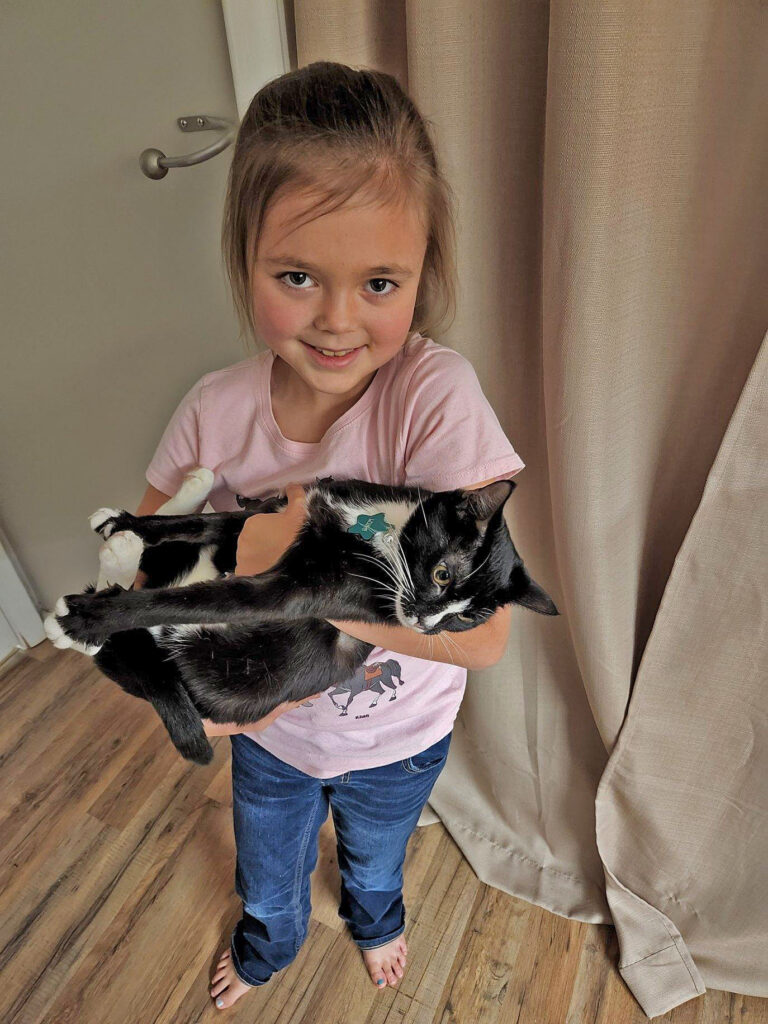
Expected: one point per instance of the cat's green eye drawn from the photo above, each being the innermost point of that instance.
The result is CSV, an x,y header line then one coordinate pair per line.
x,y
464,618
441,575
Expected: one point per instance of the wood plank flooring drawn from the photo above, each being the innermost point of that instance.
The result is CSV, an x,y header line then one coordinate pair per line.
x,y
117,883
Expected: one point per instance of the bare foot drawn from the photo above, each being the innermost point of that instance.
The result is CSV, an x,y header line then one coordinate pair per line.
x,y
386,964
226,987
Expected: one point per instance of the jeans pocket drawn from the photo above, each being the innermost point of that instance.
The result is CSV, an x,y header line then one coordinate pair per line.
x,y
429,758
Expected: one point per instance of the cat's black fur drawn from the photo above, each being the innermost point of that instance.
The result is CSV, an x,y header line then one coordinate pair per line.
x,y
277,645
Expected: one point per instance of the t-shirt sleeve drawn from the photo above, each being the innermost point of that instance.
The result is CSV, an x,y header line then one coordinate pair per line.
x,y
179,447
453,437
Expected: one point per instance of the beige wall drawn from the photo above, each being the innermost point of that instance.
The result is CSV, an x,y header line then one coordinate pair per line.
x,y
113,294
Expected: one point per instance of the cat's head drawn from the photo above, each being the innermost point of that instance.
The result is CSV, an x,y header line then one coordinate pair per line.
x,y
461,564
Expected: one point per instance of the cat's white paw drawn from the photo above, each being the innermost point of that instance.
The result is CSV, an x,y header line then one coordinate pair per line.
x,y
195,488
119,559
58,637
101,516
200,478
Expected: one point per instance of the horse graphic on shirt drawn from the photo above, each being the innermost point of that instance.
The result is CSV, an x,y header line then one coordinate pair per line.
x,y
369,679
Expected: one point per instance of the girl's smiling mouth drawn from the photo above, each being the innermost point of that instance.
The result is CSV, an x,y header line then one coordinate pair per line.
x,y
339,358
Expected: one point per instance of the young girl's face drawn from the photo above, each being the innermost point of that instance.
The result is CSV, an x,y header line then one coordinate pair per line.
x,y
344,282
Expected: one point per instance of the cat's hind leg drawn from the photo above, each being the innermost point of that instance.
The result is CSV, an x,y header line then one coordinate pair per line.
x,y
192,494
119,558
133,660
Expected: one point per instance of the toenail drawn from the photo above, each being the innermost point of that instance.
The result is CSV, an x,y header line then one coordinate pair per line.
x,y
219,1003
380,981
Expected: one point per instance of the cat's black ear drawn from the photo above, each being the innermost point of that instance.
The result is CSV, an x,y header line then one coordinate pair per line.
x,y
485,501
527,592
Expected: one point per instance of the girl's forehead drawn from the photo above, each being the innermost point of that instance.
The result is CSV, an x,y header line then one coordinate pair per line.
x,y
294,219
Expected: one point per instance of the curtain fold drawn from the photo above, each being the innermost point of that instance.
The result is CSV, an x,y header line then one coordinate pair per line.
x,y
609,160
682,809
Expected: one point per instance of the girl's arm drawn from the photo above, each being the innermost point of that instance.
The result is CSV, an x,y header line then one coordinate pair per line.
x,y
231,728
151,501
474,648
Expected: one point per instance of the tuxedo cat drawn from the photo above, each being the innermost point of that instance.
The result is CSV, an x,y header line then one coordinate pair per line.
x,y
199,642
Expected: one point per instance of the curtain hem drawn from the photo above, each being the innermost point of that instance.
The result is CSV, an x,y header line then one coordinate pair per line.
x,y
654,962
519,875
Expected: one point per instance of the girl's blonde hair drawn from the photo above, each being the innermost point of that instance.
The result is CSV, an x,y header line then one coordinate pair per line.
x,y
334,130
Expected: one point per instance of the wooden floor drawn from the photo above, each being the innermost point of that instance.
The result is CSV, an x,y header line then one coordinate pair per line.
x,y
117,882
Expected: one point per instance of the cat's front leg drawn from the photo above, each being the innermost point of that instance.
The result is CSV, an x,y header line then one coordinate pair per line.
x,y
84,621
212,528
241,600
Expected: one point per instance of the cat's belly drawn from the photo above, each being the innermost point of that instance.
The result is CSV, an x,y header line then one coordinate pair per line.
x,y
172,635
204,570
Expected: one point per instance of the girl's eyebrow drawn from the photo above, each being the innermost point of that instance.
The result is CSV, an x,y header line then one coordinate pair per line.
x,y
293,261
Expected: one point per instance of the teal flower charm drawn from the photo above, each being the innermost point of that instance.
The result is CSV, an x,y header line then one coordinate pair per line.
x,y
367,526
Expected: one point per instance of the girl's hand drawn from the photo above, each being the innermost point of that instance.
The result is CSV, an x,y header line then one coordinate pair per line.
x,y
265,538
231,728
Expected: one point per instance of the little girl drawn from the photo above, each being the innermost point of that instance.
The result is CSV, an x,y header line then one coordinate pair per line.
x,y
338,239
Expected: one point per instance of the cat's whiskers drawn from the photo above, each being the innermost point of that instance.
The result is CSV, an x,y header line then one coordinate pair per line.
x,y
383,565
479,566
406,567
445,645
397,577
380,585
397,565
421,506
456,646
388,592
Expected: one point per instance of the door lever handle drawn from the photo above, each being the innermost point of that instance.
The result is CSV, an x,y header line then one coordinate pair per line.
x,y
155,164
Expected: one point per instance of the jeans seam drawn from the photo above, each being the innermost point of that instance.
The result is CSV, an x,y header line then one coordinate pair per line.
x,y
298,877
413,770
237,968
381,943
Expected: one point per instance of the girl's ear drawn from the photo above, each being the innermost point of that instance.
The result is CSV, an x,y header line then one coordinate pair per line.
x,y
524,591
483,503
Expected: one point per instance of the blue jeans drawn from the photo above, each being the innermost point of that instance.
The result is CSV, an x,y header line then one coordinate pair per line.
x,y
278,811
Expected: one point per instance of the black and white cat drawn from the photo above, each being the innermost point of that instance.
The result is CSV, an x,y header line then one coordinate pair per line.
x,y
199,642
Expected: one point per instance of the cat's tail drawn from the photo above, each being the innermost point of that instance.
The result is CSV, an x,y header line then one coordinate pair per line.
x,y
132,659
183,722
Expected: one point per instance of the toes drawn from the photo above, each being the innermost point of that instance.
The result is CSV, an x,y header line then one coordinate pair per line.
x,y
53,630
59,638
226,997
100,520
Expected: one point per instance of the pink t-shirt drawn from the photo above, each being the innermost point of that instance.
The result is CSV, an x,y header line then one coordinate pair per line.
x,y
423,420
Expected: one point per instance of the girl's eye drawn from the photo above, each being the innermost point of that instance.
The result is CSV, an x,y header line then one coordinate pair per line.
x,y
384,281
441,575
464,618
297,279
296,285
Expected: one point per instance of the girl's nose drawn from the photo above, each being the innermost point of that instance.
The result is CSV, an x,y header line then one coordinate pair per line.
x,y
336,314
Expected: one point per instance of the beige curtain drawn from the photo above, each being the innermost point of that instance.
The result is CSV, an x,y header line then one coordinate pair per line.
x,y
611,163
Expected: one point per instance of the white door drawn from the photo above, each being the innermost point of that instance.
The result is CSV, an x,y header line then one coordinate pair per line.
x,y
113,291
20,623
